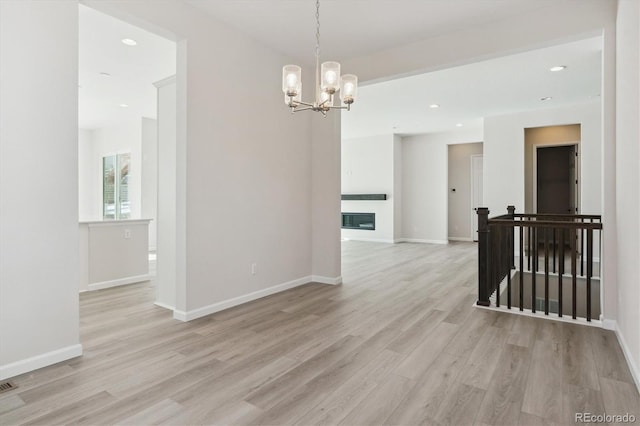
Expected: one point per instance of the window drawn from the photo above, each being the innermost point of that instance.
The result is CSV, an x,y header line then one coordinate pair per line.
x,y
115,187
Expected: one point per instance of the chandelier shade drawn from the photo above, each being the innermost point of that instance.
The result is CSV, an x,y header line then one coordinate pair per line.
x,y
328,83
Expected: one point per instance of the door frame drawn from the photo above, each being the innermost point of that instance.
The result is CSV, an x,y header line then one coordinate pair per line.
x,y
474,216
535,172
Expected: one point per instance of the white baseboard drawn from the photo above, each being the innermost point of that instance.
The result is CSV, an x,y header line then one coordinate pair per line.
x,y
608,324
421,241
468,240
369,240
122,281
229,303
39,361
326,280
164,305
631,362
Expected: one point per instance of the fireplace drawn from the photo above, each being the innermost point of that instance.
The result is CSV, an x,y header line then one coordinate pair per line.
x,y
366,221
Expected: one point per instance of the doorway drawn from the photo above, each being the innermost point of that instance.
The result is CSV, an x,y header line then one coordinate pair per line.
x,y
556,179
464,176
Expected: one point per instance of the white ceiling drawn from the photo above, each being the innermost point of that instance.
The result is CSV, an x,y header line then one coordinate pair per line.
x,y
133,69
358,27
349,27
468,93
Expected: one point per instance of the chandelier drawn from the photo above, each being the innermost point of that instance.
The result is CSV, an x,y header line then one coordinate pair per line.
x,y
328,82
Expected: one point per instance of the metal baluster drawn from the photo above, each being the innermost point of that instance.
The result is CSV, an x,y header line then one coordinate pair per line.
x,y
546,271
573,271
521,266
582,249
533,273
560,270
529,247
496,274
589,270
554,250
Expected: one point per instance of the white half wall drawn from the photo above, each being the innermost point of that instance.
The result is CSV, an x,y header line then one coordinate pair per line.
x,y
368,167
628,180
39,250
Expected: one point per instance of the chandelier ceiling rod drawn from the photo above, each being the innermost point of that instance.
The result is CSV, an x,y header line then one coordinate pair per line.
x,y
328,82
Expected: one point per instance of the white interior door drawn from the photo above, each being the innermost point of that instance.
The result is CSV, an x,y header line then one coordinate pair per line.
x,y
476,192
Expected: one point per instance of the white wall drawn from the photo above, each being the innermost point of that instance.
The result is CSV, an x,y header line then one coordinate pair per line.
x,y
325,219
39,254
89,188
504,155
149,177
424,184
244,177
628,180
368,168
424,189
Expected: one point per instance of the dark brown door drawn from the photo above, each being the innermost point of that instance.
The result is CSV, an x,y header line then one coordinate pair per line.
x,y
556,185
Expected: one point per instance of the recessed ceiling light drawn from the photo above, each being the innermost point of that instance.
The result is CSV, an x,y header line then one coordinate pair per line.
x,y
546,98
129,41
434,106
124,105
105,74
557,68
459,125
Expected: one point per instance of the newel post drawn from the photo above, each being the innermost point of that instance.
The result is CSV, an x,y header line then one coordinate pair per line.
x,y
511,211
483,256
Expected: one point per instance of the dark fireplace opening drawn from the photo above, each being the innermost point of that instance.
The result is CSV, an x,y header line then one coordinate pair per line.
x,y
365,221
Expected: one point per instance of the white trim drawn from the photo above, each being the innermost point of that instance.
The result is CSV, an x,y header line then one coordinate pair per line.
x,y
39,361
628,356
164,305
165,81
370,240
528,313
608,324
418,240
118,222
469,240
121,281
326,280
534,169
229,303
474,214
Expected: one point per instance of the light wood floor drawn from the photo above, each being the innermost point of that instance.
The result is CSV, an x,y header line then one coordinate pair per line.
x,y
398,343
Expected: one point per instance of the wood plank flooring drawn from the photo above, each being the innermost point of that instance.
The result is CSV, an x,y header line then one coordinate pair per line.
x,y
398,343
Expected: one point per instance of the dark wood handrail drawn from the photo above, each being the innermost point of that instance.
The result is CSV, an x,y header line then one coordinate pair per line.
x,y
553,234
546,224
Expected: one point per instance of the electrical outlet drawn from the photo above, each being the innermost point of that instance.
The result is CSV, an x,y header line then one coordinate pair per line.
x,y
127,233
254,268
